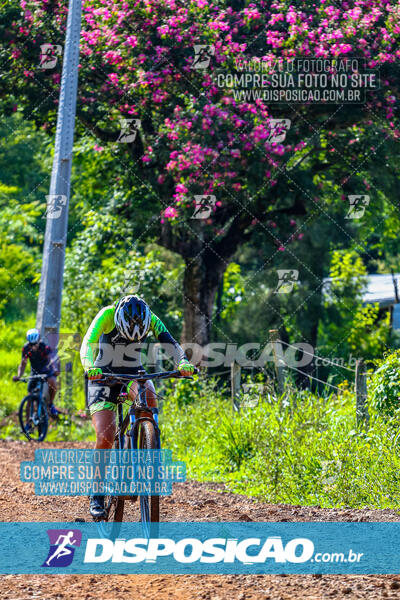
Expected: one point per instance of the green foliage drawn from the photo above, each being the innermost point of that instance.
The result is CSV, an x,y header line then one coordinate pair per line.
x,y
186,392
307,451
15,272
22,205
12,338
102,264
384,386
369,333
232,290
347,326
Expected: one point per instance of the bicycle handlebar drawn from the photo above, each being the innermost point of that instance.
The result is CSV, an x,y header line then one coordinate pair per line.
x,y
143,376
38,376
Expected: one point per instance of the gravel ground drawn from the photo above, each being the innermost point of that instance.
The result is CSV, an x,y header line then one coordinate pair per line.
x,y
191,501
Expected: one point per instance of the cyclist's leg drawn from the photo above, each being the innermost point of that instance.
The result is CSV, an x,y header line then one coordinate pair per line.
x,y
103,420
104,424
52,382
31,382
102,407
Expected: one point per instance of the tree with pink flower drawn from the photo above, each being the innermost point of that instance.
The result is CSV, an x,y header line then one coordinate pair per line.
x,y
198,144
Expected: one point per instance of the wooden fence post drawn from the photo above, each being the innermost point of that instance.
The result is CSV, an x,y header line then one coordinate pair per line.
x,y
68,386
235,384
361,393
278,359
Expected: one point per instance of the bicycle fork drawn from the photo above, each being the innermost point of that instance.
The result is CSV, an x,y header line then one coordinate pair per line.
x,y
134,430
134,421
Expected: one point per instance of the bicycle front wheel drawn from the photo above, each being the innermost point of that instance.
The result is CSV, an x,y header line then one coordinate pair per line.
x,y
149,505
33,418
110,526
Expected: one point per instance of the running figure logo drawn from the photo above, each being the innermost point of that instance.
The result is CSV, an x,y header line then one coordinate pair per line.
x,y
62,550
278,130
49,54
55,205
287,279
204,204
202,56
129,130
358,204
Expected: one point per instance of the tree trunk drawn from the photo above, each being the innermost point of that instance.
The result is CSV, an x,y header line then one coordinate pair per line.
x,y
202,276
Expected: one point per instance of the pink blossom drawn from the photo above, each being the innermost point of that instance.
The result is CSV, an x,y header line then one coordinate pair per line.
x,y
113,77
132,41
170,212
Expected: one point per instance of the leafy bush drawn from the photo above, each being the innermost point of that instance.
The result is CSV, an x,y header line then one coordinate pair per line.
x,y
385,385
306,450
349,327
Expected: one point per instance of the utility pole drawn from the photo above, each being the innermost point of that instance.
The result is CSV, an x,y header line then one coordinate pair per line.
x,y
51,282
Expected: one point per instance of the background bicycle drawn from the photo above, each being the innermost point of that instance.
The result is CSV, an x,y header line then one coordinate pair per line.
x,y
33,413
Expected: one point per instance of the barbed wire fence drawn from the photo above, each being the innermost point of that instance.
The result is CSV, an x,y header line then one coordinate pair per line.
x,y
281,367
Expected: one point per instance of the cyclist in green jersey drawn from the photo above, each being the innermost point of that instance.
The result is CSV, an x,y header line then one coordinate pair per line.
x,y
112,344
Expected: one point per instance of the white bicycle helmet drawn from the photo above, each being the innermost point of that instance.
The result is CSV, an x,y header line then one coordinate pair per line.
x,y
33,336
132,318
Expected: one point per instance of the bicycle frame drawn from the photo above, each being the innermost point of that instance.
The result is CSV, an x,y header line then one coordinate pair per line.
x,y
133,417
38,392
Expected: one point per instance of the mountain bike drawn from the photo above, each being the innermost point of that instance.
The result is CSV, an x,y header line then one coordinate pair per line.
x,y
137,430
33,415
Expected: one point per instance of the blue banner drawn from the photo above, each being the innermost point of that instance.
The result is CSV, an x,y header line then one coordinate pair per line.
x,y
197,548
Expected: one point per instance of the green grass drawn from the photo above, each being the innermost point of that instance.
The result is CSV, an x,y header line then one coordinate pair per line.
x,y
302,449
12,338
306,450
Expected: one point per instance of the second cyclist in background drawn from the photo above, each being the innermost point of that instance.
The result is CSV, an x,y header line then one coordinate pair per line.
x,y
43,361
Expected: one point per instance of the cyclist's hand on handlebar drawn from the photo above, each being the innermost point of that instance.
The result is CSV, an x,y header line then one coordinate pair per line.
x,y
16,378
186,368
94,373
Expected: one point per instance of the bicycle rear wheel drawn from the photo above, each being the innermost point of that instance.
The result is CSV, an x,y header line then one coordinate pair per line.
x,y
149,505
33,418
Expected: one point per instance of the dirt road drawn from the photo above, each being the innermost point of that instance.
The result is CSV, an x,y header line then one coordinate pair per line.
x,y
191,501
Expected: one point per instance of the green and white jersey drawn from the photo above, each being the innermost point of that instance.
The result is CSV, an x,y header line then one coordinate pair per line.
x,y
103,341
